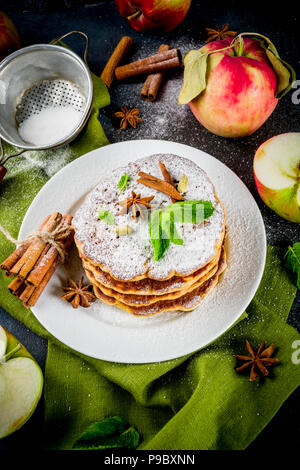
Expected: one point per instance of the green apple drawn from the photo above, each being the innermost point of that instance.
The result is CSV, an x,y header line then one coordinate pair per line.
x,y
276,169
21,384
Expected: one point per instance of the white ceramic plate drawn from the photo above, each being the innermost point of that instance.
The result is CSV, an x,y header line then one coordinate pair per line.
x,y
104,332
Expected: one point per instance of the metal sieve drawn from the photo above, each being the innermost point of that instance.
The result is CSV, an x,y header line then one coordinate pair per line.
x,y
41,76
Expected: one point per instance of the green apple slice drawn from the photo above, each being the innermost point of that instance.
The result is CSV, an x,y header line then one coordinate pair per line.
x,y
3,342
277,174
20,390
21,384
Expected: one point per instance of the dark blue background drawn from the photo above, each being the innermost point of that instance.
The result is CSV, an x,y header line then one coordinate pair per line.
x,y
41,20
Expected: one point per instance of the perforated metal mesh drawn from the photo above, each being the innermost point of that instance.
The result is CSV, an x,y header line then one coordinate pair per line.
x,y
49,93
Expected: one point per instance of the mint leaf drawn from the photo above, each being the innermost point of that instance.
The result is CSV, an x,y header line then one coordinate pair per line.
x,y
106,216
292,260
110,433
159,238
162,228
124,180
194,80
190,211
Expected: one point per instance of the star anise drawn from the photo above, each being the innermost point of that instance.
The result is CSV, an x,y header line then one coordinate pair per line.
x,y
136,202
78,294
219,33
128,116
259,361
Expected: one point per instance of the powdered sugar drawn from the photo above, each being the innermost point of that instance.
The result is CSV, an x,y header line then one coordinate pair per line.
x,y
130,256
50,125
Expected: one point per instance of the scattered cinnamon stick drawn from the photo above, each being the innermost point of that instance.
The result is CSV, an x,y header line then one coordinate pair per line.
x,y
153,81
159,185
117,56
34,262
167,176
155,63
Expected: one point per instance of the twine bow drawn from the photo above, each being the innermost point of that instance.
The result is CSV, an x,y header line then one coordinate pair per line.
x,y
61,231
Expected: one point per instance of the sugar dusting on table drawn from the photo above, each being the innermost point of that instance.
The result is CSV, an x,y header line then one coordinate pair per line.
x,y
51,125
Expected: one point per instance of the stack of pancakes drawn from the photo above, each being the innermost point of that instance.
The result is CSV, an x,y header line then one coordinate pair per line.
x,y
122,269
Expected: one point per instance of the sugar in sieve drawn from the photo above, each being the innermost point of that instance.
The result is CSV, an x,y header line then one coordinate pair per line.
x,y
35,78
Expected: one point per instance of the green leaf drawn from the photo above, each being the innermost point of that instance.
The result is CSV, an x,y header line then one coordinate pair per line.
x,y
110,433
124,180
292,260
159,238
191,211
106,216
285,73
162,228
194,81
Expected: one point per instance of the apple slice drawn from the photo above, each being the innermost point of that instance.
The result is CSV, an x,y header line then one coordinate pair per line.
x,y
276,169
3,342
21,383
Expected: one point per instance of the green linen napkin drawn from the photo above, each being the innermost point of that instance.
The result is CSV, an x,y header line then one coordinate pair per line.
x,y
194,402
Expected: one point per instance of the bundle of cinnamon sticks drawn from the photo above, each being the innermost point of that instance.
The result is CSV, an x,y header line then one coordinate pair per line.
x,y
154,66
36,259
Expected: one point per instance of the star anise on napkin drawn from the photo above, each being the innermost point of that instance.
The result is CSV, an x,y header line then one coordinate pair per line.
x,y
219,33
128,116
135,202
259,361
78,294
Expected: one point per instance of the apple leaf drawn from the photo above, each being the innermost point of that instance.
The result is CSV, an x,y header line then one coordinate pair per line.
x,y
292,260
194,81
110,433
285,74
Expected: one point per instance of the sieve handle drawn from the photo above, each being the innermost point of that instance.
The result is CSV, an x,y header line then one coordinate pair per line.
x,y
3,158
82,34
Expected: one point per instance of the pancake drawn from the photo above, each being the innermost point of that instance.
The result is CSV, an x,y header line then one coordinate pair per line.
x,y
122,269
187,302
148,286
144,300
131,258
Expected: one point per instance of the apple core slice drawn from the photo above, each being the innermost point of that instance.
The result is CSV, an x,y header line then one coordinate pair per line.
x,y
277,174
21,384
3,342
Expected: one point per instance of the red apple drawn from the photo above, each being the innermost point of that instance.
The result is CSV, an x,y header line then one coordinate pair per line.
x,y
153,15
9,36
240,89
276,169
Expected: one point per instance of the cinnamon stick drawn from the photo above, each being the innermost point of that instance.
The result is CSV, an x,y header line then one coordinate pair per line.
x,y
34,251
167,176
153,81
155,63
19,252
14,257
37,291
27,293
14,286
159,185
119,53
48,257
